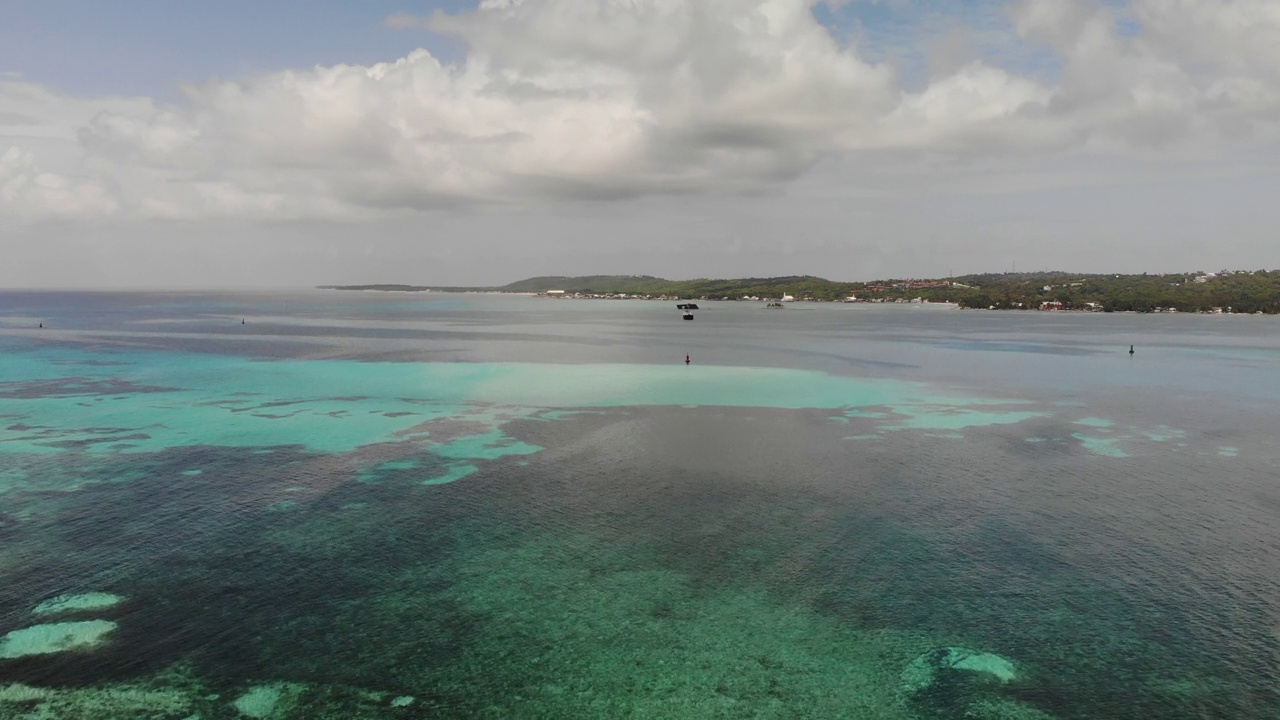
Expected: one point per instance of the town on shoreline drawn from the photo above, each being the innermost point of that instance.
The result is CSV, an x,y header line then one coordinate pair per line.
x,y
1223,292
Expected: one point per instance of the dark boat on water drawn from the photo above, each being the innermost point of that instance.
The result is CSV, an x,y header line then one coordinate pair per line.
x,y
687,306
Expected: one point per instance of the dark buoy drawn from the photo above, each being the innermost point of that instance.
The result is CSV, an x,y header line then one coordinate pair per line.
x,y
241,321
1130,349
686,359
41,324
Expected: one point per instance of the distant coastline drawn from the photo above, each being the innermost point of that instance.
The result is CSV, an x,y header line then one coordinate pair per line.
x,y
1222,292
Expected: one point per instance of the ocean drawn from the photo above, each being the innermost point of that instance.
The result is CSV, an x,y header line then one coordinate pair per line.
x,y
329,504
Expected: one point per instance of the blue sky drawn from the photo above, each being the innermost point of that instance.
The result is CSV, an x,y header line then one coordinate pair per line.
x,y
906,34
151,47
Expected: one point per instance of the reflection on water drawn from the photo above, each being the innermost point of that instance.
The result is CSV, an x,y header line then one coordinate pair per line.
x,y
834,512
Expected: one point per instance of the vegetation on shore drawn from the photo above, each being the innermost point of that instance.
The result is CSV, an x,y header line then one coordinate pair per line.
x,y
1225,291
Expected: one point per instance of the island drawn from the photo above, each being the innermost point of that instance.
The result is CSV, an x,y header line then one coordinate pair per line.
x,y
1225,291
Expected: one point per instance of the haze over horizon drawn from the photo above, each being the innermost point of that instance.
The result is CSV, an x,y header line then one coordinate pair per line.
x,y
469,144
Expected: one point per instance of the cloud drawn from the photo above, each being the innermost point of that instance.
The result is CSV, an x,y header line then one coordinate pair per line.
x,y
1233,37
613,99
1196,70
13,119
25,189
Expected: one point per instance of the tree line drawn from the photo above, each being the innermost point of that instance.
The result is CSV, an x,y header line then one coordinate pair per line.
x,y
1226,291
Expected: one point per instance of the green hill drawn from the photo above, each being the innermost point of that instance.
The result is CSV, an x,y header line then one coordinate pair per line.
x,y
797,285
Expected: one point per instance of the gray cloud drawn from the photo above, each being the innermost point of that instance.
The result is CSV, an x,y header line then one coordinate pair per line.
x,y
18,119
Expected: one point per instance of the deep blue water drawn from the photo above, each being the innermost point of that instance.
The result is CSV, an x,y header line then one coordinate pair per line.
x,y
423,505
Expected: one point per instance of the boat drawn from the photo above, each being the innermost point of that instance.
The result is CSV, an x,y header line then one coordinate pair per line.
x,y
687,306
687,315
775,305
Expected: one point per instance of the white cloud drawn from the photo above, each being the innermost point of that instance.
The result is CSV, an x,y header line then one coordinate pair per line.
x,y
27,191
1197,70
1231,37
567,99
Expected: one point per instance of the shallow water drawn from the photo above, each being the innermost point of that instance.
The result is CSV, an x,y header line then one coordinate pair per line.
x,y
413,505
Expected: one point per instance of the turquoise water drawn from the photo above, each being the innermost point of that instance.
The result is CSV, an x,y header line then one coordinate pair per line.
x,y
176,400
365,505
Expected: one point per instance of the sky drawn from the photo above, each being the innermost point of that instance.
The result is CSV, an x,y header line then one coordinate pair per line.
x,y
293,143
